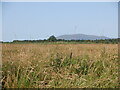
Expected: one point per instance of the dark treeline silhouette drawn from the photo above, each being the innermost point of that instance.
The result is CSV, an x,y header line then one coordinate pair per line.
x,y
53,39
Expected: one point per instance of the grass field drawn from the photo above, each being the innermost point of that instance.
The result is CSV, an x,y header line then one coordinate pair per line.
x,y
60,65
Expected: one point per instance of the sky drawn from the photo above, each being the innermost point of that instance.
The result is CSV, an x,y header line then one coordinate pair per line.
x,y
119,19
0,21
39,20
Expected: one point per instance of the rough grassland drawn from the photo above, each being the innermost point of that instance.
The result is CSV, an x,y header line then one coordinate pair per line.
x,y
60,65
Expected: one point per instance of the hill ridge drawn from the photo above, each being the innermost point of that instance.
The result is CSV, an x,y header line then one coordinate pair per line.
x,y
81,37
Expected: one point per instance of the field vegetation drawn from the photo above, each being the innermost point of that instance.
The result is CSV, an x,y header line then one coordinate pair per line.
x,y
35,65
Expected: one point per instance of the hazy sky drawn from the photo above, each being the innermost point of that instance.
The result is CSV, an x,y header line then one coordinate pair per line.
x,y
0,21
29,20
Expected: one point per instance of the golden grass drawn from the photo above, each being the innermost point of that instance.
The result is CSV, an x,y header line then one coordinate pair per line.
x,y
60,65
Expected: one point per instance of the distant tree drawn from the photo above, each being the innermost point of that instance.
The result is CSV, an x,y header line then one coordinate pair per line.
x,y
52,38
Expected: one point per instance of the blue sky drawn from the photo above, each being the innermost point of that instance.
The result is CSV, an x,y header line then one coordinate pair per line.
x,y
0,21
39,20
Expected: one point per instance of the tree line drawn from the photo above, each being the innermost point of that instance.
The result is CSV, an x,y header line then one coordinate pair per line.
x,y
53,39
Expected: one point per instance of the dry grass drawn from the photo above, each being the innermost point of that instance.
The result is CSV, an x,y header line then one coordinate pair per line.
x,y
60,65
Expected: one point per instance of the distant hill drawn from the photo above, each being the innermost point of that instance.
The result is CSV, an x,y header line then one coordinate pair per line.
x,y
81,37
